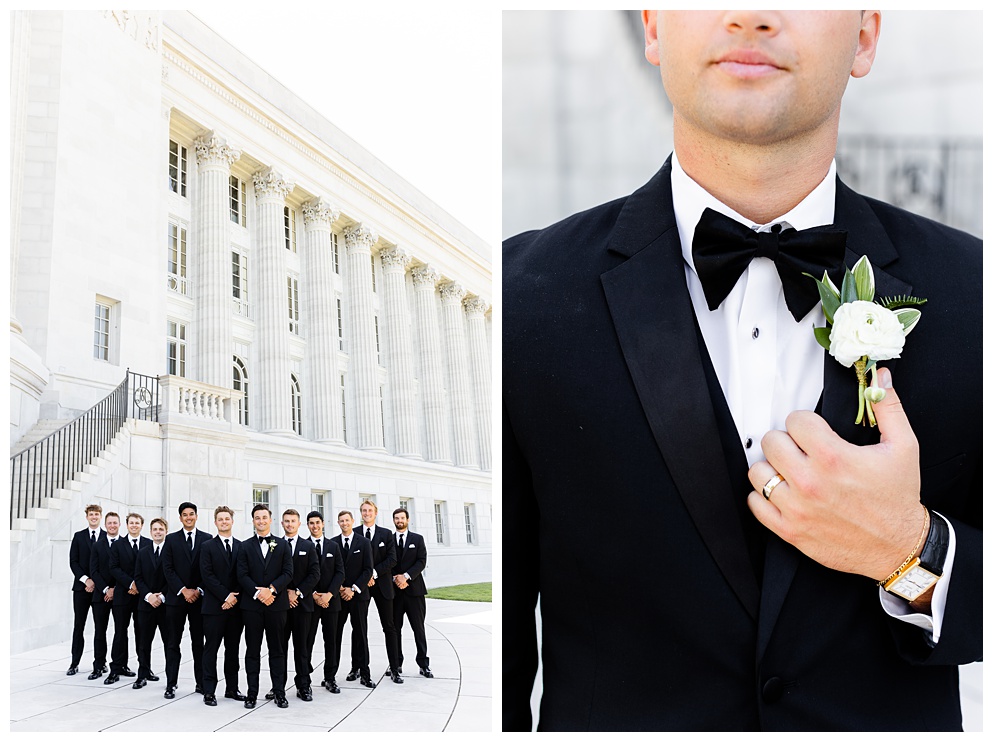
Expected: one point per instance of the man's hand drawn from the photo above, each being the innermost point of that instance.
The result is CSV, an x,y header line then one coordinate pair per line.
x,y
347,593
133,590
323,599
294,600
400,581
190,594
230,602
265,596
851,508
108,597
371,582
90,585
154,600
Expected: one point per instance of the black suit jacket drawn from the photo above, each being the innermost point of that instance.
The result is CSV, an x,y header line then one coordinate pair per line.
x,y
276,569
332,565
149,577
122,567
412,562
306,572
358,564
79,556
181,564
384,556
219,575
100,568
607,406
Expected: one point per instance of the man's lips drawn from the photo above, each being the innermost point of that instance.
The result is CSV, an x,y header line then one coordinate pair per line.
x,y
747,64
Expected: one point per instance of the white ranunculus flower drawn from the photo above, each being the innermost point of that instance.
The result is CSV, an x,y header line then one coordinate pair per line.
x,y
862,328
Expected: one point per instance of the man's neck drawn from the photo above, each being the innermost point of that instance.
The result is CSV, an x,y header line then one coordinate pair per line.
x,y
759,182
263,535
224,535
346,535
370,526
159,543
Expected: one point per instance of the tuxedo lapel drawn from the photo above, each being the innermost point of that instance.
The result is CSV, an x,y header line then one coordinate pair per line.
x,y
651,311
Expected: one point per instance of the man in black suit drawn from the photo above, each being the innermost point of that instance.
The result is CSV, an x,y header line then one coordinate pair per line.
x,y
306,572
327,601
103,592
384,557
412,558
222,621
151,613
265,568
123,562
357,555
634,371
82,584
181,566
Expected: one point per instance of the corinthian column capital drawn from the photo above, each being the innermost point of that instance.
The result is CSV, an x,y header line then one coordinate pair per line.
x,y
212,150
270,185
475,306
395,257
451,292
360,237
425,275
319,213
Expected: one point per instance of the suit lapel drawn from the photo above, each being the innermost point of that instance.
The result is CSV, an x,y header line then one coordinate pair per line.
x,y
651,311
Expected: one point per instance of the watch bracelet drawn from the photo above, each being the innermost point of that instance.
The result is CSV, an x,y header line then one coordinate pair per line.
x,y
936,545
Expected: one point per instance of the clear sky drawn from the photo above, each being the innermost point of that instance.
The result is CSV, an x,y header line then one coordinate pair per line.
x,y
419,88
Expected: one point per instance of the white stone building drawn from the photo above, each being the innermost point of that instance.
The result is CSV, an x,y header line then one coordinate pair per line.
x,y
317,332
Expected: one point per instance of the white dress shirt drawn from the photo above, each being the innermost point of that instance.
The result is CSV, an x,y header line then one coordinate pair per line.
x,y
768,364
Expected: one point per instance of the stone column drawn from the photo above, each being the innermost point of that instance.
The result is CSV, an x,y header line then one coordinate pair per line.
x,y
463,422
437,446
399,352
20,27
479,364
318,292
362,364
212,350
273,323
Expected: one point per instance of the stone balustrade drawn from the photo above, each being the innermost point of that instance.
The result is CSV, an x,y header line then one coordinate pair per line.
x,y
192,402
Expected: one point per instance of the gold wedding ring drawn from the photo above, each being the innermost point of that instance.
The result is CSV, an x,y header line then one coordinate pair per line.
x,y
771,485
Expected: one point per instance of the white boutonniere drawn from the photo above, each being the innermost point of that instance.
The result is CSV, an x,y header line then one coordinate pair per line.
x,y
862,331
272,545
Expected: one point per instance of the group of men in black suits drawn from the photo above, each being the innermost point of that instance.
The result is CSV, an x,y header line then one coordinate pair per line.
x,y
265,586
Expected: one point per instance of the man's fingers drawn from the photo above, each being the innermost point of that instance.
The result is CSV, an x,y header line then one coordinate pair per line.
x,y
894,427
765,512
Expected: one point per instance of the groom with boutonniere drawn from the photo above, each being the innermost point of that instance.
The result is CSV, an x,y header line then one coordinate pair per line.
x,y
727,355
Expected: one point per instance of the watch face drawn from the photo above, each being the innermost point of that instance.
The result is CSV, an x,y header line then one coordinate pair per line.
x,y
912,583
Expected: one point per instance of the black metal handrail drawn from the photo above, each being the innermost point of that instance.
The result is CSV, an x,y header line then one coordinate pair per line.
x,y
37,471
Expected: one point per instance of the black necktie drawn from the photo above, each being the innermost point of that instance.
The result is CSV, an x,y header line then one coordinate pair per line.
x,y
227,545
134,546
93,537
346,545
723,248
368,534
189,540
400,544
156,553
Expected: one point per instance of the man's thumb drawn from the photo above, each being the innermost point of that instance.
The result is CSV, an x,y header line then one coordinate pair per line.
x,y
890,417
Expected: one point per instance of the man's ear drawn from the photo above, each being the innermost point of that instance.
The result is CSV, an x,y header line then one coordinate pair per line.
x,y
868,38
650,19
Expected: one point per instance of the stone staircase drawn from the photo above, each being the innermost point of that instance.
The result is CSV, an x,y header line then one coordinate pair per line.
x,y
42,429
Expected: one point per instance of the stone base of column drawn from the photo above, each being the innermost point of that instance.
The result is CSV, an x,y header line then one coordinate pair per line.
x,y
340,442
282,433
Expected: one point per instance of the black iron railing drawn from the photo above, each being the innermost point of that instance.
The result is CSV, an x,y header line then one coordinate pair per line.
x,y
37,471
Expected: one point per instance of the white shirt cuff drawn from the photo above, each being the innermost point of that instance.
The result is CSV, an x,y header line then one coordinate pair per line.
x,y
900,609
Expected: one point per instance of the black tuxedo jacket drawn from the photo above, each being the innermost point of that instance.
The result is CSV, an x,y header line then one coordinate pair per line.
x,y
306,572
610,405
181,564
412,562
276,569
149,576
219,575
79,556
122,567
332,567
100,568
384,556
358,564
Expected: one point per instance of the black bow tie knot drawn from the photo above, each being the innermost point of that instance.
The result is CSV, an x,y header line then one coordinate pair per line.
x,y
723,248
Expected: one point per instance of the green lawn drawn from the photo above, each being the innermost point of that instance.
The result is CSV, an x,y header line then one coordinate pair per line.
x,y
479,591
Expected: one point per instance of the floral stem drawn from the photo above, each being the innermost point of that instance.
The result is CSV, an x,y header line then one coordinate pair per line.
x,y
860,373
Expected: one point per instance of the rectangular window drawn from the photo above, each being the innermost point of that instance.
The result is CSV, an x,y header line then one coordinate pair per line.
x,y
375,323
290,228
101,331
334,252
293,300
373,259
176,261
262,495
469,528
341,334
239,282
176,348
439,521
177,168
319,500
407,504
238,200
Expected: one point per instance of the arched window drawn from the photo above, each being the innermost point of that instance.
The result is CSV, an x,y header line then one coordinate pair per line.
x,y
296,404
240,384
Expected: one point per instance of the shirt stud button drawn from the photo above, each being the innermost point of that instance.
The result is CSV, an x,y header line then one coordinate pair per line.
x,y
748,442
755,333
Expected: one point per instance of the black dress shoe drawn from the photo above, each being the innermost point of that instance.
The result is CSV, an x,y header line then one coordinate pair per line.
x,y
367,682
281,702
249,702
95,674
170,692
139,684
73,669
352,675
152,678
426,672
305,694
235,694
112,678
198,689
395,677
332,686
126,673
209,699
400,670
270,695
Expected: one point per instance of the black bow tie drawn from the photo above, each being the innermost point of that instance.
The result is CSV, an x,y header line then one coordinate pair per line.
x,y
263,539
723,248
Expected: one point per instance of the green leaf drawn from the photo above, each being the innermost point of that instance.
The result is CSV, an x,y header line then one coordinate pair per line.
x,y
869,366
848,292
898,302
829,300
865,282
823,336
908,318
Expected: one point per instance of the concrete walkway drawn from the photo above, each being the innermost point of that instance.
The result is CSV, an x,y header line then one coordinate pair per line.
x,y
458,698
